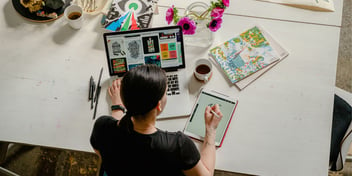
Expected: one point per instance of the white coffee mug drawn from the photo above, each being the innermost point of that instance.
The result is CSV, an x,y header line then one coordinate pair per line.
x,y
74,16
203,70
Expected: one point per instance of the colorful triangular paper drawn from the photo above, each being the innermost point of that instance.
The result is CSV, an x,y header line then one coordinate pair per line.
x,y
115,25
134,25
126,24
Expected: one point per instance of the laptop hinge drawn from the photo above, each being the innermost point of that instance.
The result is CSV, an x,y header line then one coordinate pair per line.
x,y
170,69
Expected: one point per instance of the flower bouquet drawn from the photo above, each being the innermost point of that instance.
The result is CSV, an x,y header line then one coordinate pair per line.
x,y
210,16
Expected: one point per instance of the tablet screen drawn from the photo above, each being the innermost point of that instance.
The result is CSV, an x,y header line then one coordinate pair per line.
x,y
196,124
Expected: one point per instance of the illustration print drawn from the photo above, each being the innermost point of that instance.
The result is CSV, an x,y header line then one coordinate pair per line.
x,y
244,54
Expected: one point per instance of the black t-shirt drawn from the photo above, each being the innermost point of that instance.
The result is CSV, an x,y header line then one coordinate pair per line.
x,y
160,153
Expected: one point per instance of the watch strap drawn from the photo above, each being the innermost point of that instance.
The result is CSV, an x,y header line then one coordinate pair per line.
x,y
118,107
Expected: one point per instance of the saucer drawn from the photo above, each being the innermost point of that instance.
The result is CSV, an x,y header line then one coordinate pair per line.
x,y
202,81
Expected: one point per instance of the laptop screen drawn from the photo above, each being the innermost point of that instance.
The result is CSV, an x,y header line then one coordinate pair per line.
x,y
161,46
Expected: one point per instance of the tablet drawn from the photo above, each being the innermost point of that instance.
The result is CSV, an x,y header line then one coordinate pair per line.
x,y
195,126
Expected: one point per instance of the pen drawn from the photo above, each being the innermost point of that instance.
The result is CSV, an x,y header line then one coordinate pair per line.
x,y
98,85
97,93
93,89
215,114
96,102
90,94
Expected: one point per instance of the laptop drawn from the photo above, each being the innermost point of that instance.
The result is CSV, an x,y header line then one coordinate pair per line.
x,y
161,46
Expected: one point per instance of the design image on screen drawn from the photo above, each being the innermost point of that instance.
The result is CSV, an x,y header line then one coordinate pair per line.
x,y
133,65
118,65
134,50
116,49
153,60
150,44
128,49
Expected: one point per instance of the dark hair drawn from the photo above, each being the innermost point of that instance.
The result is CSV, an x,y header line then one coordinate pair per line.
x,y
141,89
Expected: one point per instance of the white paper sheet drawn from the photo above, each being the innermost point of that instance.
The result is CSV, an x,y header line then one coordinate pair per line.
x,y
317,5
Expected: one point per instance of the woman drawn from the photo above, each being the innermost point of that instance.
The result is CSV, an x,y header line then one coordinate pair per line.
x,y
130,144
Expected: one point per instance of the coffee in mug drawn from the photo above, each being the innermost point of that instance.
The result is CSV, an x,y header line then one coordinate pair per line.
x,y
74,16
203,70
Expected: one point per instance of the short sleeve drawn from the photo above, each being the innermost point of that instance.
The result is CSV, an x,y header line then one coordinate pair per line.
x,y
102,126
189,153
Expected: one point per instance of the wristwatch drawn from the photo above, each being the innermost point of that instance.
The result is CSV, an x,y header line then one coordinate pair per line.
x,y
118,107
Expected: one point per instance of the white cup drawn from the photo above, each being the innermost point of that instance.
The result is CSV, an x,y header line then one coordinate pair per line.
x,y
74,16
203,70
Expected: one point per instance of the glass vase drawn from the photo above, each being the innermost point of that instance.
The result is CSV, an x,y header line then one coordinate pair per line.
x,y
203,37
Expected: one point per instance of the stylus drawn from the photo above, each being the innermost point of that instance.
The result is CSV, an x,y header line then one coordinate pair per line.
x,y
215,114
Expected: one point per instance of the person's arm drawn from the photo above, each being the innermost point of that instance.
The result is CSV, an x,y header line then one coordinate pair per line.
x,y
206,164
114,92
98,153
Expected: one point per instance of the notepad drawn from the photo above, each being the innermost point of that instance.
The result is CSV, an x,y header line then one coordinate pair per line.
x,y
195,126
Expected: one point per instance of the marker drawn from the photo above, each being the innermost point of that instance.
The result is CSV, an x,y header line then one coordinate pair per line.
x,y
215,114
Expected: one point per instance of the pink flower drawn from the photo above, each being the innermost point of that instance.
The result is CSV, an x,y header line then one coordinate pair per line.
x,y
170,15
217,12
215,24
226,2
188,26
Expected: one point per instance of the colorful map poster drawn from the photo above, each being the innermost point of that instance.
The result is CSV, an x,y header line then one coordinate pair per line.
x,y
243,55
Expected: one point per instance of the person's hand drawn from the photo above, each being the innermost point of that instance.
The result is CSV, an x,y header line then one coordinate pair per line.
x,y
212,121
114,92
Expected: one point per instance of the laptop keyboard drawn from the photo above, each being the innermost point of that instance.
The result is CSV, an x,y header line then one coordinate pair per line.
x,y
173,85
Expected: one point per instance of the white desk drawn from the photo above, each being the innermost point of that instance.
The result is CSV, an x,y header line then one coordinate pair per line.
x,y
45,70
281,126
254,8
283,120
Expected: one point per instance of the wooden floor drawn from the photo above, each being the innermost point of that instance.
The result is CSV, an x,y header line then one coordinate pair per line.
x,y
28,160
344,62
347,170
